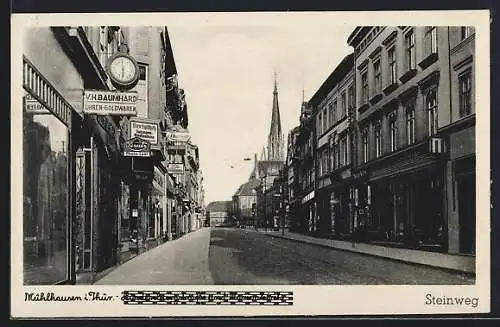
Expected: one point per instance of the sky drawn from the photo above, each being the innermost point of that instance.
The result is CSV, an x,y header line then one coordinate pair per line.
x,y
227,73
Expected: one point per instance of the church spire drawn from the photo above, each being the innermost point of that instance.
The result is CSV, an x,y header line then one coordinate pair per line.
x,y
275,138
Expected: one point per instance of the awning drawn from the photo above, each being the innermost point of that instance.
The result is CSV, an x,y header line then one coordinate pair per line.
x,y
420,162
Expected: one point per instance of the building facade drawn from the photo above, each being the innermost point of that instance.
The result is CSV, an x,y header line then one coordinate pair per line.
x,y
219,213
404,154
332,107
87,206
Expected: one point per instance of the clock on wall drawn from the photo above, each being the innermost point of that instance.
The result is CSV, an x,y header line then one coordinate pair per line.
x,y
123,71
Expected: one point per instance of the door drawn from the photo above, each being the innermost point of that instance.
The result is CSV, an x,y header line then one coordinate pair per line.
x,y
467,212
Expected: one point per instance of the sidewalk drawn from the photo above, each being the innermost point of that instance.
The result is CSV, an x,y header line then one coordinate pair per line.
x,y
464,264
181,261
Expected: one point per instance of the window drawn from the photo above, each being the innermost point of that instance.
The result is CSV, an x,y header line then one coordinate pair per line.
x,y
142,91
465,89
377,76
344,104
364,139
432,110
320,124
465,32
410,121
430,40
335,110
394,132
410,50
393,72
378,139
325,161
351,96
332,157
337,154
330,112
364,87
345,159
325,121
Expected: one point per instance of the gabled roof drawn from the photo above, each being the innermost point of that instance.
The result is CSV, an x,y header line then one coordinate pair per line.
x,y
219,206
247,188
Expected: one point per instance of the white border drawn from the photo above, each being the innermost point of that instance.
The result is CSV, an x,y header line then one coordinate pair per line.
x,y
308,300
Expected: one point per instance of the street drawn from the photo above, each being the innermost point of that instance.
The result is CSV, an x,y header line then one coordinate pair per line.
x,y
229,256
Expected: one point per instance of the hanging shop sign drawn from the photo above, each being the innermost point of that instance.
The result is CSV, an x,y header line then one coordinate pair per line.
x,y
101,102
136,147
308,197
146,130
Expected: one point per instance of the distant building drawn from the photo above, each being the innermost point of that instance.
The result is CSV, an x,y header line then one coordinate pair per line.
x,y
244,200
219,213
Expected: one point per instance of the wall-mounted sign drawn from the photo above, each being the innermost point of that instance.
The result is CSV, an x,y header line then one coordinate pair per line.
x,y
136,147
99,102
145,130
175,167
159,180
178,136
32,106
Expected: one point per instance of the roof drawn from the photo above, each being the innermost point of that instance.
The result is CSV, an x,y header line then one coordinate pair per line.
x,y
218,206
247,188
265,167
342,69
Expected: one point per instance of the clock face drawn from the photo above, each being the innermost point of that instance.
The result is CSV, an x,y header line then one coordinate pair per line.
x,y
123,69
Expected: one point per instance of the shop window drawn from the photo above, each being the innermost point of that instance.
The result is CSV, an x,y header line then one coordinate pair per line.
x,y
410,121
430,40
432,110
465,93
377,76
393,66
410,59
45,197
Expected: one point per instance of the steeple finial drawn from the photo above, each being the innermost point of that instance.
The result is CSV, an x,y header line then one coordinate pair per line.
x,y
302,94
275,82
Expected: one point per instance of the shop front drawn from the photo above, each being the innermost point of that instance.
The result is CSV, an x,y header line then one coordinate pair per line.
x,y
461,177
48,178
309,213
403,204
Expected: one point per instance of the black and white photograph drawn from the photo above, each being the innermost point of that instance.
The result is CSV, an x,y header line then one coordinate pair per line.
x,y
250,158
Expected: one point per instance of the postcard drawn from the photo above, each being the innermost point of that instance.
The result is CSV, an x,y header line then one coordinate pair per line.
x,y
250,164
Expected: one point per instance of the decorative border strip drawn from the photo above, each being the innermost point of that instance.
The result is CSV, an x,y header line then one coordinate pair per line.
x,y
207,297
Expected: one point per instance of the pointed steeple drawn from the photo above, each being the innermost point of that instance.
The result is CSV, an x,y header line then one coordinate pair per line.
x,y
275,138
263,154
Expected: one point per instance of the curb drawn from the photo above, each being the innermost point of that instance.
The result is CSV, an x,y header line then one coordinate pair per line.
x,y
465,273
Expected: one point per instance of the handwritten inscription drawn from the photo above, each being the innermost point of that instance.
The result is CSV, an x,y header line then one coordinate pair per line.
x,y
52,297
